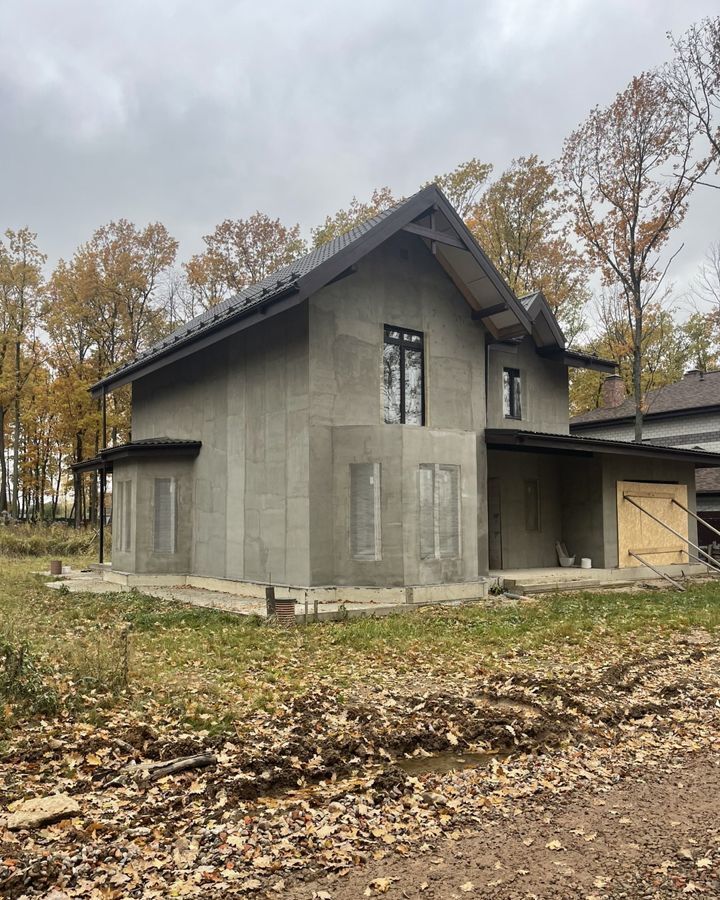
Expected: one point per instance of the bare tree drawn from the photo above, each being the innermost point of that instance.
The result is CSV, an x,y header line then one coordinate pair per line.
x,y
692,79
628,171
705,288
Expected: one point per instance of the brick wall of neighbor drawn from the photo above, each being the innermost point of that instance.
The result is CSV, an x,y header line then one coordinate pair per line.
x,y
681,431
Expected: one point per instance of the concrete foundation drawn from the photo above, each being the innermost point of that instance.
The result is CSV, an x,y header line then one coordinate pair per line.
x,y
409,594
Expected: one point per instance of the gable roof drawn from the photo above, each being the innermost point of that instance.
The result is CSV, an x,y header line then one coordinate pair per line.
x,y
695,393
427,214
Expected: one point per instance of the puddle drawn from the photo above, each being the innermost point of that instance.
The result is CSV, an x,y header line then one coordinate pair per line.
x,y
447,762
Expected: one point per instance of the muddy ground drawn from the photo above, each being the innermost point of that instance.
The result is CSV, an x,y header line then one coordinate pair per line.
x,y
652,834
586,779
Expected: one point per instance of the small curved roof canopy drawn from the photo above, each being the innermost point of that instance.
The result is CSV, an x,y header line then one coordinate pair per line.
x,y
148,448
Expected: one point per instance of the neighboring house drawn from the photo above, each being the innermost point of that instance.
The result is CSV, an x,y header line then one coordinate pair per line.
x,y
383,412
684,414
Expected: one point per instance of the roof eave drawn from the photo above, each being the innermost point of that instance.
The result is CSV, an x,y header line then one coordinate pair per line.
x,y
574,359
193,342
508,437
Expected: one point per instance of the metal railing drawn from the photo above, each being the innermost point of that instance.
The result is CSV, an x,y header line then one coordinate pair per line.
x,y
710,561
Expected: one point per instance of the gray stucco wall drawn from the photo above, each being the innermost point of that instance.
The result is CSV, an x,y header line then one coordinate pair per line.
x,y
246,399
544,389
398,284
521,548
583,520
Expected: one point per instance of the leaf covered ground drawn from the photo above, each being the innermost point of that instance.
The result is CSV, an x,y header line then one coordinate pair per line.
x,y
362,758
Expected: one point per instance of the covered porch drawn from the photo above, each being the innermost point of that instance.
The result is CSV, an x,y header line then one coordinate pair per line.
x,y
627,508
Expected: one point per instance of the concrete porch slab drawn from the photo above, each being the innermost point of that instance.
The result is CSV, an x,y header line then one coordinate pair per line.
x,y
572,578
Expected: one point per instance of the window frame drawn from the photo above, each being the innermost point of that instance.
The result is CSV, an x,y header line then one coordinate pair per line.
x,y
515,404
122,516
404,346
173,515
435,469
377,513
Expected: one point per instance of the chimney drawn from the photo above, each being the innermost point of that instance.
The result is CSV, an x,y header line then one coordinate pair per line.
x,y
613,391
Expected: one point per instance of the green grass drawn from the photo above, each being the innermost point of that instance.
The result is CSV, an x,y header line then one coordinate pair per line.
x,y
210,667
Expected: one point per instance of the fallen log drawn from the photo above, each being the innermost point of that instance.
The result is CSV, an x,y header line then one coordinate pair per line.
x,y
152,770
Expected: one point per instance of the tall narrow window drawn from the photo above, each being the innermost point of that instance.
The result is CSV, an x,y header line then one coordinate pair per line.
x,y
121,515
439,492
511,394
404,376
365,531
117,512
126,515
164,531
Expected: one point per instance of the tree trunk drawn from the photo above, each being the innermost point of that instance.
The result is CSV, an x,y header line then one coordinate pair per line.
x,y
16,436
3,464
637,369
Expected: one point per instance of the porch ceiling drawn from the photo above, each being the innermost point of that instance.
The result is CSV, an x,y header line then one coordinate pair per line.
x,y
536,441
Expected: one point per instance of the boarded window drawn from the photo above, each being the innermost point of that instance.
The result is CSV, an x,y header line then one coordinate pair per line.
x,y
403,376
512,389
117,515
439,493
164,531
127,515
365,530
532,505
122,515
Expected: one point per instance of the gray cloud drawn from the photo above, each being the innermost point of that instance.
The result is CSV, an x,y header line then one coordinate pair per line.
x,y
189,112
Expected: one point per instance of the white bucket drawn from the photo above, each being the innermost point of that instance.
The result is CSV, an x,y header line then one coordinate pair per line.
x,y
585,563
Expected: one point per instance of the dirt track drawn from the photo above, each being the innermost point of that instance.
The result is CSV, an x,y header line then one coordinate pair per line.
x,y
648,836
603,780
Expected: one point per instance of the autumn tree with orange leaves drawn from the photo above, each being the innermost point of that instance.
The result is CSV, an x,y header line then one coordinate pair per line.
x,y
240,252
519,223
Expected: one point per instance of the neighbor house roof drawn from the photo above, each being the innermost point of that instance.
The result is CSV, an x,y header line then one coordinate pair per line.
x,y
539,441
696,392
707,481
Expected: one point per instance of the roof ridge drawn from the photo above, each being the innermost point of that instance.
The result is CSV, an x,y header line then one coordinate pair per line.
x,y
283,277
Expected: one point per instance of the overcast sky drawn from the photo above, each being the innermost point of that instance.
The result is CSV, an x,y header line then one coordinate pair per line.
x,y
192,112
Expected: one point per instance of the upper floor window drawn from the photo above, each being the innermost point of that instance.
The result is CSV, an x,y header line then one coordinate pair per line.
x,y
511,394
403,376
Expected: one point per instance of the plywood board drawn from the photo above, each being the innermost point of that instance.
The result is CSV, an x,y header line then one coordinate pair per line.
x,y
638,532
